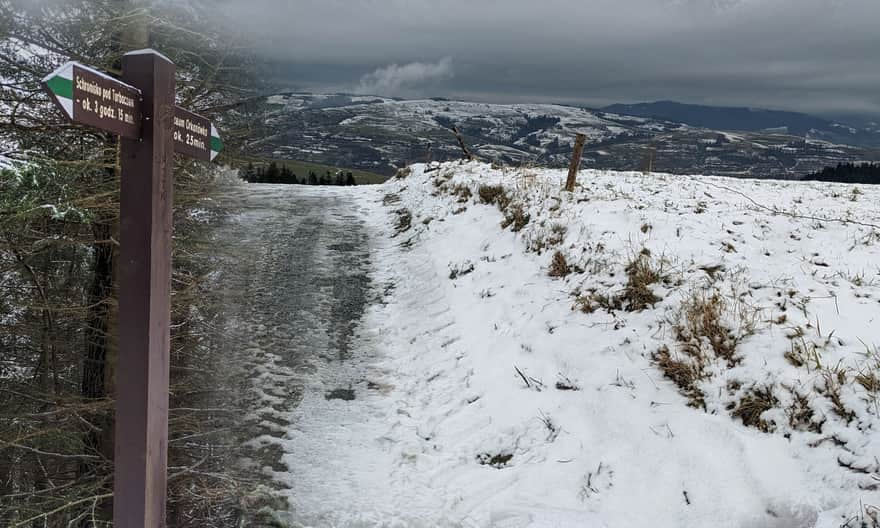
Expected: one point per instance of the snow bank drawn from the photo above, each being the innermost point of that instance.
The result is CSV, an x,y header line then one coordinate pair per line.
x,y
706,354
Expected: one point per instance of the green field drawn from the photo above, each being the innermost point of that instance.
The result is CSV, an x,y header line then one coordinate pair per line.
x,y
302,168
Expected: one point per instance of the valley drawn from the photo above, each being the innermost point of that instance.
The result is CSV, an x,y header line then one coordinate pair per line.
x,y
381,135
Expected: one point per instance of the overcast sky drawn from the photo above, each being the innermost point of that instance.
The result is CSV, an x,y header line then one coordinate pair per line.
x,y
820,56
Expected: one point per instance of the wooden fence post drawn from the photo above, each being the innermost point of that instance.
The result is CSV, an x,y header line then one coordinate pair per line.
x,y
579,141
648,162
468,155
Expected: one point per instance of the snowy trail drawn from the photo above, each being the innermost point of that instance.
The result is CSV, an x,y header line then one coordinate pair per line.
x,y
294,274
419,375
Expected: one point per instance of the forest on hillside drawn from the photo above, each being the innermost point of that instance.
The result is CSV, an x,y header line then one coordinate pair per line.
x,y
282,174
862,173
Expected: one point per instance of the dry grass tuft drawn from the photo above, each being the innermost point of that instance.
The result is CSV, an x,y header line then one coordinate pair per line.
x,y
753,405
685,372
703,321
800,414
403,173
463,192
834,380
515,216
404,221
460,270
642,272
559,266
494,194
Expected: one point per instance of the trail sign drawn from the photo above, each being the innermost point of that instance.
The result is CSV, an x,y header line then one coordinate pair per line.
x,y
141,110
195,136
89,97
92,98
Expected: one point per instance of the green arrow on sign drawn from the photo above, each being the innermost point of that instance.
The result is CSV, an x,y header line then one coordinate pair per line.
x,y
216,142
60,83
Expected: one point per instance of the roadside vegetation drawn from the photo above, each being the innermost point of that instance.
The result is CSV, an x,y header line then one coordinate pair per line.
x,y
713,286
305,173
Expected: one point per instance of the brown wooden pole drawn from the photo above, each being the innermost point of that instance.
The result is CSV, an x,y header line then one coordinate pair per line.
x,y
468,155
579,141
144,300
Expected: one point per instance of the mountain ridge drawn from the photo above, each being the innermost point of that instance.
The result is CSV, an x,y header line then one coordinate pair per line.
x,y
751,119
382,134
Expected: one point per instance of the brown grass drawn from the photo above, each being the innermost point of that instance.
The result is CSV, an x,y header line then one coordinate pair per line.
x,y
404,221
559,266
641,274
800,414
753,405
702,322
834,381
463,192
515,216
494,194
685,372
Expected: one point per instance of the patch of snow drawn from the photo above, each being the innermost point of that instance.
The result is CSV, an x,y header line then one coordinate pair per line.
x,y
462,417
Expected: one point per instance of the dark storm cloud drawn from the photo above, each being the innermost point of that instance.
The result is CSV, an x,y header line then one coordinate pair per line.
x,y
813,55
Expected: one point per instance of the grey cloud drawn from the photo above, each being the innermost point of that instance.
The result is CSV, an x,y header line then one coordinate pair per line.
x,y
395,80
811,55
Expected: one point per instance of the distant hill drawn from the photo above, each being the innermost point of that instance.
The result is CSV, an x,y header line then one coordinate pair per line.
x,y
379,135
753,120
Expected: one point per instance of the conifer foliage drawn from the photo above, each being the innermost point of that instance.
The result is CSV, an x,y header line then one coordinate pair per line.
x,y
59,205
863,173
282,174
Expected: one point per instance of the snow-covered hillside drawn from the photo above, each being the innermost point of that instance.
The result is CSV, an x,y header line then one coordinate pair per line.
x,y
649,350
381,134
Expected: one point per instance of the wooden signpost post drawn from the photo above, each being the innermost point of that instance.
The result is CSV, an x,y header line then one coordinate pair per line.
x,y
140,109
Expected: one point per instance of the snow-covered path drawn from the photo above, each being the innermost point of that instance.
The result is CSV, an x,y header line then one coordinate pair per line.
x,y
471,394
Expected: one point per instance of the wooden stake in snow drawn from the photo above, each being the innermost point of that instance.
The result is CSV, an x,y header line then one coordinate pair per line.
x,y
648,163
579,141
467,153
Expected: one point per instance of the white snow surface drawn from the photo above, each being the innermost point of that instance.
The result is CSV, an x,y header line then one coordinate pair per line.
x,y
436,385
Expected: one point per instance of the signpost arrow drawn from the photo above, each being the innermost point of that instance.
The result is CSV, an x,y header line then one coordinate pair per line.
x,y
195,136
92,98
141,110
89,97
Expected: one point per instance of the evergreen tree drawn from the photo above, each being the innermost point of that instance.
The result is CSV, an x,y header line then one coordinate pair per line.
x,y
284,177
349,179
313,178
273,174
864,173
248,174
